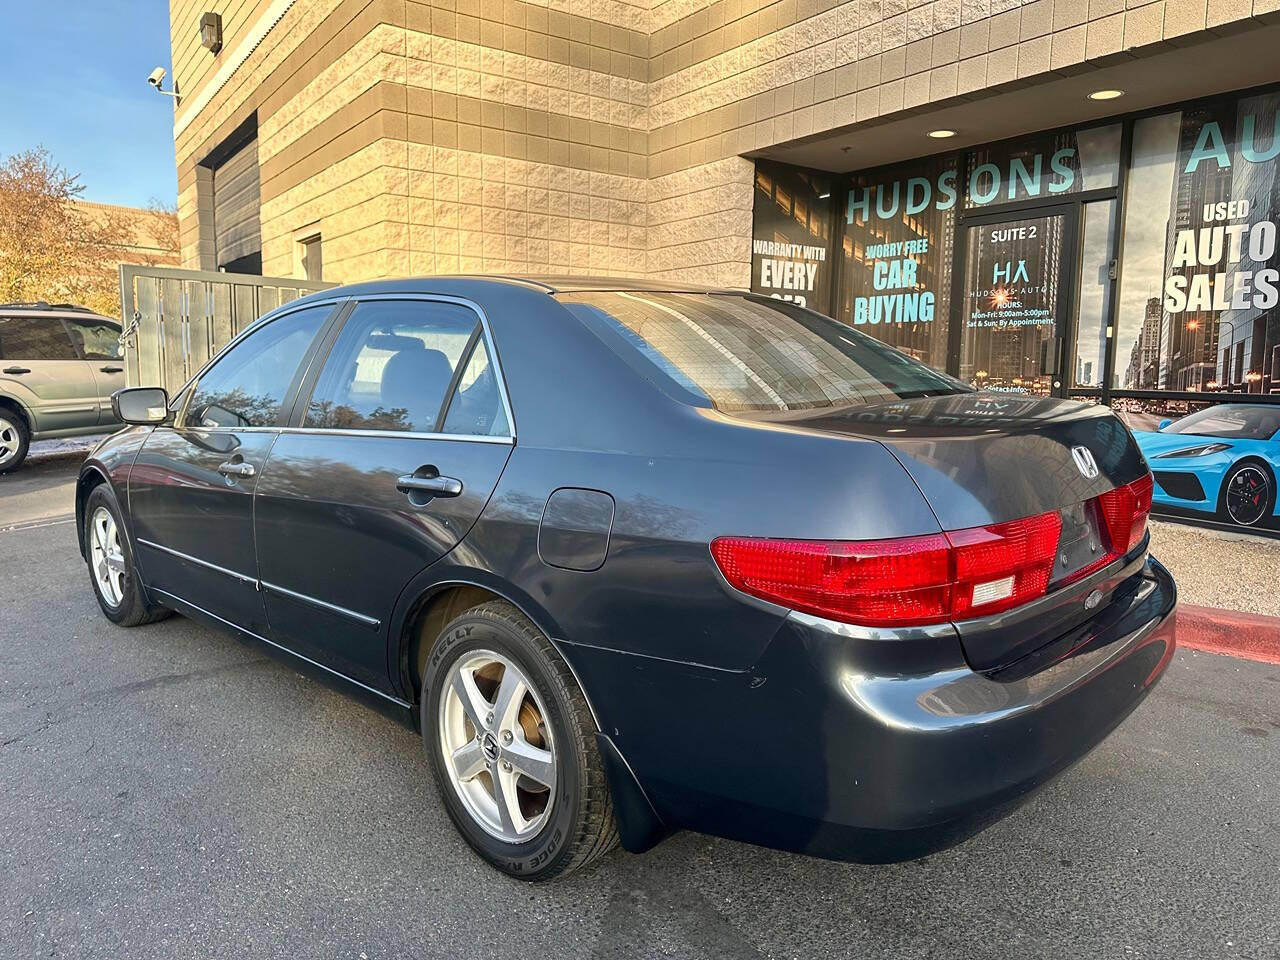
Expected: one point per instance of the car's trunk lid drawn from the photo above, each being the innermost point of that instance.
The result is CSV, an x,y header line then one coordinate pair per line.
x,y
983,458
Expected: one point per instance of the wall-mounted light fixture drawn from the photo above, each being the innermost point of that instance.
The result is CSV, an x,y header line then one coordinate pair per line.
x,y
211,32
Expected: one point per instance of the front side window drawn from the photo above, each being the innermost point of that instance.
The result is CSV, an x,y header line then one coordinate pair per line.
x,y
392,366
96,339
35,338
247,385
752,353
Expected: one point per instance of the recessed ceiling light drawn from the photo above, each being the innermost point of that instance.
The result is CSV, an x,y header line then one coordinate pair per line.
x,y
1106,94
941,134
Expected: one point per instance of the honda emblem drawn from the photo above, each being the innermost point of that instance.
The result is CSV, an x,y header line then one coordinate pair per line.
x,y
1085,463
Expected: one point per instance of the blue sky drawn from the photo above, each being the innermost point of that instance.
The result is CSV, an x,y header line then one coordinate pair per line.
x,y
73,78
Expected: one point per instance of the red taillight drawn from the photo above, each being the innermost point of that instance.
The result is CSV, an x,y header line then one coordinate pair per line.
x,y
929,579
1003,565
1124,511
915,580
872,582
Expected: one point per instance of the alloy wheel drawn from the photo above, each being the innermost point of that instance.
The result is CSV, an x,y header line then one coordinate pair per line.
x,y
106,556
9,441
496,746
1248,494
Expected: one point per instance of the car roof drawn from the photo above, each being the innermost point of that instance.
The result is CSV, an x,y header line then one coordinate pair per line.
x,y
551,285
43,308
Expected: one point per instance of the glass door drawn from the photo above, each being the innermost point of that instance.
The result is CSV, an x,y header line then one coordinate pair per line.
x,y
1018,280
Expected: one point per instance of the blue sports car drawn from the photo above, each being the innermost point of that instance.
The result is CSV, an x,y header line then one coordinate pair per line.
x,y
1222,460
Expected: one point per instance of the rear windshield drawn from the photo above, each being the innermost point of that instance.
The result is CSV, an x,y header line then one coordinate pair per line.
x,y
1241,423
738,352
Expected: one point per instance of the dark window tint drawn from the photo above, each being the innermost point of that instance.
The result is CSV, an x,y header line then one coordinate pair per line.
x,y
1238,422
96,339
753,353
35,338
476,409
391,366
247,385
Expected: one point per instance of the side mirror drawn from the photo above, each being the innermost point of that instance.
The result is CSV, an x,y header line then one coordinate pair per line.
x,y
141,405
1164,423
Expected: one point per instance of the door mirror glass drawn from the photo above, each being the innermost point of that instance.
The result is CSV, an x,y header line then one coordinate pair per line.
x,y
141,405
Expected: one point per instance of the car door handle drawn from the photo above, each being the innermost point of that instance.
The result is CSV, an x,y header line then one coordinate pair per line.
x,y
17,370
231,469
432,486
112,369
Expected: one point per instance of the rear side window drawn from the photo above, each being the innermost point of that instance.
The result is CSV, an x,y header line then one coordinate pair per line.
x,y
247,385
753,353
392,366
35,338
96,339
476,407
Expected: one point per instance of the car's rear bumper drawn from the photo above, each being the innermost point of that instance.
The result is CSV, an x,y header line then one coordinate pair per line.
x,y
827,747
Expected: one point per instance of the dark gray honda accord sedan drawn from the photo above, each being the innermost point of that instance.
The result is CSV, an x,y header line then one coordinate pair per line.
x,y
637,558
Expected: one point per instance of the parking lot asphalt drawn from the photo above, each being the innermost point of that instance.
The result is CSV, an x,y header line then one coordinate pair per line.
x,y
170,792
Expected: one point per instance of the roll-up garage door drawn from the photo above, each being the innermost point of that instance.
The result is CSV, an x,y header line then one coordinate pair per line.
x,y
236,203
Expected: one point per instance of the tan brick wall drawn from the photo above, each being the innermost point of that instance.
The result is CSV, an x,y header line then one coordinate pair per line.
x,y
592,135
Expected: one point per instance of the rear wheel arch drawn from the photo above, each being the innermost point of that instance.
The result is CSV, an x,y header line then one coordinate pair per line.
x,y
16,407
1252,460
441,602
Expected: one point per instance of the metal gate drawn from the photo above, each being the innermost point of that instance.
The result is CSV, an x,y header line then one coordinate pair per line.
x,y
175,320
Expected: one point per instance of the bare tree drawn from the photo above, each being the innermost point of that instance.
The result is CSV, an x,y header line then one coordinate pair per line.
x,y
164,221
50,249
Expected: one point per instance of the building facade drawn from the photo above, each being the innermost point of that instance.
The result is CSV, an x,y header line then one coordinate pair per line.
x,y
1058,196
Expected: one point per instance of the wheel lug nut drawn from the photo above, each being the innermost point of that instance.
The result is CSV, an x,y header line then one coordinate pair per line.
x,y
506,765
506,737
489,720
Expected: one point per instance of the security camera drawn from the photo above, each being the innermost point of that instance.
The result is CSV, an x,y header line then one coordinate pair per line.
x,y
157,77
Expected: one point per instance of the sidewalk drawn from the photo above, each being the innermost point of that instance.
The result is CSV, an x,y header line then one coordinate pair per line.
x,y
1228,589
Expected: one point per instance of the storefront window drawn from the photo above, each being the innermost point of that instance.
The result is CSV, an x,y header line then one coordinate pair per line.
x,y
1043,167
1201,284
791,233
1092,307
897,257
1010,313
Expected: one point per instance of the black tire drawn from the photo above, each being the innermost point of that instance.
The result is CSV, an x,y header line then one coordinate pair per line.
x,y
580,827
1243,515
15,439
132,610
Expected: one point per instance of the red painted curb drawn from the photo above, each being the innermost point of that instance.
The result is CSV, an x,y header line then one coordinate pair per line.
x,y
1229,632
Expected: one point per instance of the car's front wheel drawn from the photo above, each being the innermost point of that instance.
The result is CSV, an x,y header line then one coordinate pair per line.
x,y
511,743
1248,494
111,567
15,440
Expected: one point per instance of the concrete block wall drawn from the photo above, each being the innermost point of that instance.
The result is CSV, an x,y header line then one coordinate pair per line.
x,y
590,136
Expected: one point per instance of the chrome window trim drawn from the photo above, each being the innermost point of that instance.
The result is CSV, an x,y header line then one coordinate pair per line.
x,y
336,432
487,334
323,604
340,432
203,563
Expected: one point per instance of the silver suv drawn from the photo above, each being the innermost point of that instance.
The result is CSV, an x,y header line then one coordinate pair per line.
x,y
59,365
